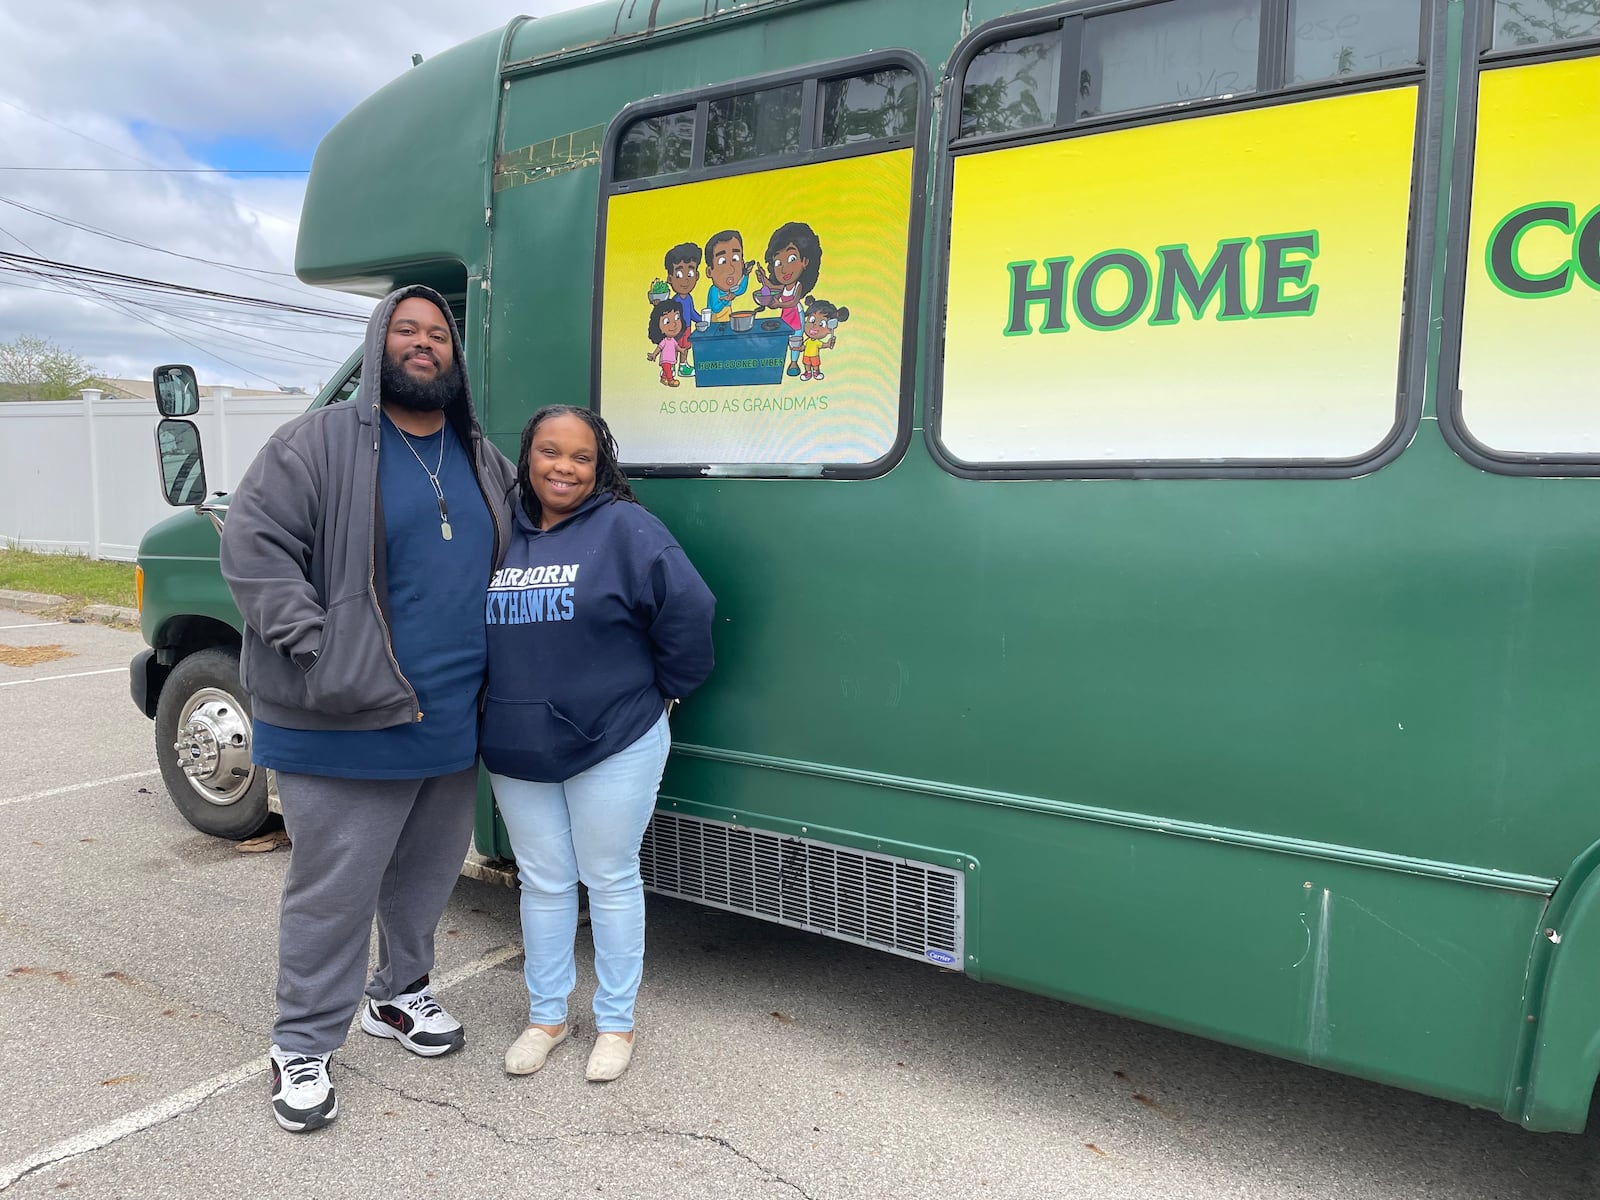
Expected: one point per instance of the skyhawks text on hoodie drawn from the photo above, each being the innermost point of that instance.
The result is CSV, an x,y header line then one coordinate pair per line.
x,y
522,595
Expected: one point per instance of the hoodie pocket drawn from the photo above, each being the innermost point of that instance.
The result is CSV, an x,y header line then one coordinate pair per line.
x,y
353,672
534,731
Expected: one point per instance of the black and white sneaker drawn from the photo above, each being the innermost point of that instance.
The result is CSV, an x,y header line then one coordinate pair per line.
x,y
415,1020
302,1091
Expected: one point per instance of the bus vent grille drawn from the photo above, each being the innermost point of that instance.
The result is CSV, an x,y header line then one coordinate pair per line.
x,y
908,908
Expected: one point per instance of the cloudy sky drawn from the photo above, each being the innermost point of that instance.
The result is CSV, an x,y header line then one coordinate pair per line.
x,y
94,94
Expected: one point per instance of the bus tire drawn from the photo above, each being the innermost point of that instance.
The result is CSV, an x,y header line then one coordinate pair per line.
x,y
203,746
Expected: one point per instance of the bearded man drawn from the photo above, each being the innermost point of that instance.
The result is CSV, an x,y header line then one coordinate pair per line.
x,y
358,548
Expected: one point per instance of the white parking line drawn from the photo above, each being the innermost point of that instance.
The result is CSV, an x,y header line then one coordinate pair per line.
x,y
486,961
77,787
33,625
134,1122
192,1098
74,675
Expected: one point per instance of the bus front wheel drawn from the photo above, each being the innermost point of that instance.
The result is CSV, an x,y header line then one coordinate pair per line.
x,y
203,746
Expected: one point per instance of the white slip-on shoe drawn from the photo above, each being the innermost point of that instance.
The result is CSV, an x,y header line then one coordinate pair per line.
x,y
533,1045
610,1057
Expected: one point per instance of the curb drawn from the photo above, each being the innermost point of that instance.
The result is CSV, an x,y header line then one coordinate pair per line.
x,y
43,602
112,612
30,602
490,870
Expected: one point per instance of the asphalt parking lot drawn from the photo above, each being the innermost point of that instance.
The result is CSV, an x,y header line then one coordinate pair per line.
x,y
136,975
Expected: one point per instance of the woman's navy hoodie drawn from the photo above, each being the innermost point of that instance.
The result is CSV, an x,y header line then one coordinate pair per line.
x,y
593,624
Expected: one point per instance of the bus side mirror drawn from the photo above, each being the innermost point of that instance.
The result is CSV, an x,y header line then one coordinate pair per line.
x,y
183,467
177,392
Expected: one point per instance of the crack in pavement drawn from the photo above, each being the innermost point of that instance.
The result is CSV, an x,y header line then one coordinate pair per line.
x,y
186,1102
527,1141
732,1149
190,1099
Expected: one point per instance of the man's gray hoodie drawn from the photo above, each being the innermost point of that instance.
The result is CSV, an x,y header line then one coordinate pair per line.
x,y
303,554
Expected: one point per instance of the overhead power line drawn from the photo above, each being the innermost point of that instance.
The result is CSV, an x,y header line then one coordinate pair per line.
x,y
178,307
140,297
108,301
55,268
174,170
105,300
17,240
28,112
128,241
135,242
252,273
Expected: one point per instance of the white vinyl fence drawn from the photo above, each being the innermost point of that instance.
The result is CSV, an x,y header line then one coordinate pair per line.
x,y
80,476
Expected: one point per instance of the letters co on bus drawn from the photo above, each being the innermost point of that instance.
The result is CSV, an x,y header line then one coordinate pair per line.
x,y
1533,284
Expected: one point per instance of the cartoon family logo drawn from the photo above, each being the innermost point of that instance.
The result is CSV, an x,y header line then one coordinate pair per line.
x,y
724,345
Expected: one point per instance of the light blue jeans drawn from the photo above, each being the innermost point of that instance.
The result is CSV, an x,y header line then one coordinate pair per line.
x,y
588,827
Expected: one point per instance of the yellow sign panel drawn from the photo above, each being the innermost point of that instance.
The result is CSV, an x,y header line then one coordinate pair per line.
x,y
759,320
1528,378
1223,287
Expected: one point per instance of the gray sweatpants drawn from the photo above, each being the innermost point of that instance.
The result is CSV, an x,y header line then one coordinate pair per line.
x,y
362,848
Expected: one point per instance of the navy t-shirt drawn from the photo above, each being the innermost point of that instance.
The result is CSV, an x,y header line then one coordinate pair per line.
x,y
436,592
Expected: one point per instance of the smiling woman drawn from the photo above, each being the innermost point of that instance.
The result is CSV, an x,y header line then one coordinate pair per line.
x,y
598,624
561,468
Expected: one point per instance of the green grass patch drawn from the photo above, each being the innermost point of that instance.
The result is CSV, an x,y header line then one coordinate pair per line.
x,y
80,580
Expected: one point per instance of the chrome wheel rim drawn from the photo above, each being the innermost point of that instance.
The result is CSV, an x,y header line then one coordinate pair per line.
x,y
213,747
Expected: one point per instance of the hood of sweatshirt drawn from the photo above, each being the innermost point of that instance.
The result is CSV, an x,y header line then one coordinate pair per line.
x,y
460,413
525,524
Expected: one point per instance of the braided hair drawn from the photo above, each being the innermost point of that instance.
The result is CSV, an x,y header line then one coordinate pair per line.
x,y
608,476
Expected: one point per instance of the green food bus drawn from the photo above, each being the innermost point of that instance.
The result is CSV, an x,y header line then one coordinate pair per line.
x,y
1143,454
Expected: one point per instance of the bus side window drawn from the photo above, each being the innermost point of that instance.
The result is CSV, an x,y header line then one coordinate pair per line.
x,y
799,211
656,145
753,125
1012,85
1538,22
880,104
1168,53
1334,38
1158,279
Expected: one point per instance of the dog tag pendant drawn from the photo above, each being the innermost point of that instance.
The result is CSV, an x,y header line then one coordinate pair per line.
x,y
444,520
444,530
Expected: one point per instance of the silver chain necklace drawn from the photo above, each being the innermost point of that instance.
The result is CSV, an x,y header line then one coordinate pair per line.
x,y
433,477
